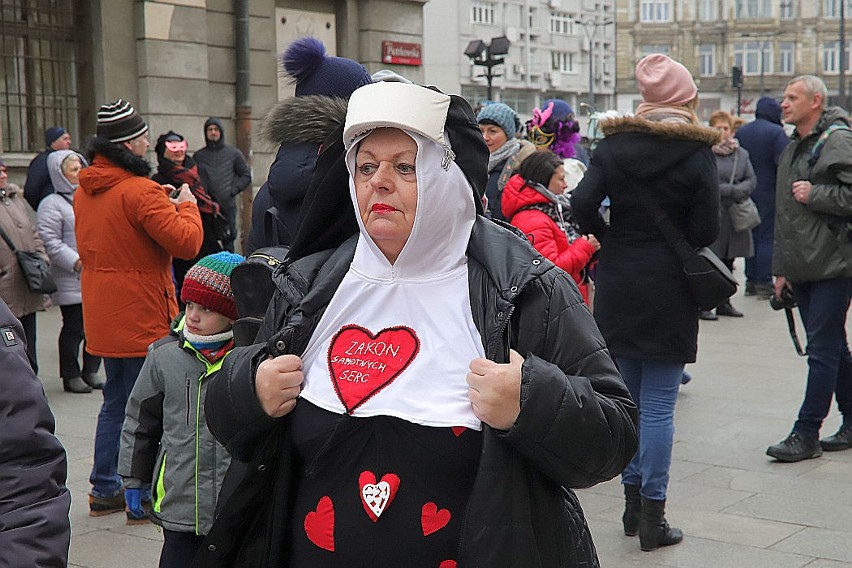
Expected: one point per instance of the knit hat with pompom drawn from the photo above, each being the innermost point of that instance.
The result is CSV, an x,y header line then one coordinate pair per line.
x,y
318,74
208,283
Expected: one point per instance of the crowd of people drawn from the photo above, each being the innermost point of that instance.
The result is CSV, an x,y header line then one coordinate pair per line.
x,y
428,247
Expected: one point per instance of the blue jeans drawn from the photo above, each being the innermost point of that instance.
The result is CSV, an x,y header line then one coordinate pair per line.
x,y
823,305
758,268
121,374
654,386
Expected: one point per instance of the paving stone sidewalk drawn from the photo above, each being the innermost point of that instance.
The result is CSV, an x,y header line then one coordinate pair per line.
x,y
736,506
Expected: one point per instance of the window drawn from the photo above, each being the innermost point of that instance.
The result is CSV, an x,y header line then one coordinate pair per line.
x,y
562,61
787,10
482,13
655,11
707,10
474,94
561,23
707,60
521,101
786,57
754,9
38,57
655,48
831,8
831,57
747,55
533,19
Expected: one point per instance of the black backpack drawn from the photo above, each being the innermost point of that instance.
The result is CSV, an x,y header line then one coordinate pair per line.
x,y
253,287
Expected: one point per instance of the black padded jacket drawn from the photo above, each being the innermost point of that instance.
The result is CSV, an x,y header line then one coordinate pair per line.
x,y
576,427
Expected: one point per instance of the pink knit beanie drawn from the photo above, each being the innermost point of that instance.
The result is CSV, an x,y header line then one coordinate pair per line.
x,y
664,81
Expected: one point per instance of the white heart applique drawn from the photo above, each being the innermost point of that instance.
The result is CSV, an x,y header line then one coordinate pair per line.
x,y
376,497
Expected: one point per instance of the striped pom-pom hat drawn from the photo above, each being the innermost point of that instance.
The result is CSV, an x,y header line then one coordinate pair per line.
x,y
119,122
208,283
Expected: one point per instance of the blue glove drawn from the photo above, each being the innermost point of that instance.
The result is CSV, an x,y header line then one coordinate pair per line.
x,y
133,498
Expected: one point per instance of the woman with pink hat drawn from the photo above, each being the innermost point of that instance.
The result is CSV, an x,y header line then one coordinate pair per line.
x,y
657,169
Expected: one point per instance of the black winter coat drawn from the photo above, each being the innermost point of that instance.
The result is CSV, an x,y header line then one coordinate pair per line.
x,y
643,304
34,501
576,427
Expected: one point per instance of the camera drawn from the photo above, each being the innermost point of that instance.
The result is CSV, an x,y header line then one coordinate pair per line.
x,y
785,302
174,193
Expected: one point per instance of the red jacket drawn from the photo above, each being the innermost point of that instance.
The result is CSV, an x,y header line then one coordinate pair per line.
x,y
543,232
127,232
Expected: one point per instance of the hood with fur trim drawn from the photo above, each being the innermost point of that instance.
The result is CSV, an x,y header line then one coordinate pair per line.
x,y
629,143
118,155
309,118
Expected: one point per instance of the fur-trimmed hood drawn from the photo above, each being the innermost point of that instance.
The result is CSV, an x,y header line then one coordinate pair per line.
x,y
648,149
681,131
309,118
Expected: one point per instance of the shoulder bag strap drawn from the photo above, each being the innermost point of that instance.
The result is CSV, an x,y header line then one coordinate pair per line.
x,y
8,240
734,169
674,237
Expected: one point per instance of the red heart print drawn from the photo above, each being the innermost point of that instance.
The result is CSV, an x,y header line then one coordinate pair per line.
x,y
433,520
377,497
458,430
448,564
319,524
362,363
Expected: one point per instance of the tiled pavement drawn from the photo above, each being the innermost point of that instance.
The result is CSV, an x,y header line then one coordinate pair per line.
x,y
737,507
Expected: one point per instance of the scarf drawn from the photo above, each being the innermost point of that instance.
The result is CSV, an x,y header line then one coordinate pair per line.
x,y
397,339
212,347
187,173
503,153
663,113
726,147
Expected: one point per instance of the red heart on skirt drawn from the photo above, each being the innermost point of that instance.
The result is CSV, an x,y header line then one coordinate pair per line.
x,y
448,564
362,363
319,524
458,430
377,497
433,520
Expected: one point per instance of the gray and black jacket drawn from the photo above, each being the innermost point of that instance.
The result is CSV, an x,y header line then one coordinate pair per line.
x,y
165,441
813,241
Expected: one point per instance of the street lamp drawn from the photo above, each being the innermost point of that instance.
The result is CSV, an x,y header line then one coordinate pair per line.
x,y
590,26
484,55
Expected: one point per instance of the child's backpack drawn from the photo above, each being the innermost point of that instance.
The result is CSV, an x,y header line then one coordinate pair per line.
x,y
252,285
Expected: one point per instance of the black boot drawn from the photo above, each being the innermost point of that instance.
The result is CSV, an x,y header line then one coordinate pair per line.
x,y
75,385
93,380
632,509
654,530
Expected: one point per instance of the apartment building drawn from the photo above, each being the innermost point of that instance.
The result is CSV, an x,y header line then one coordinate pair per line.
x,y
770,40
558,49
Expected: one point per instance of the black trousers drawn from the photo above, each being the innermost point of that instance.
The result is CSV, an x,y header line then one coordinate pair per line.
x,y
179,548
28,322
70,337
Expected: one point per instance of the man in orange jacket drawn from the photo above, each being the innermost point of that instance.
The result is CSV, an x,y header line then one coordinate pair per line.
x,y
128,229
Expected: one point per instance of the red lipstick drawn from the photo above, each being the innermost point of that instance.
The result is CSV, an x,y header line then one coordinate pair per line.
x,y
382,208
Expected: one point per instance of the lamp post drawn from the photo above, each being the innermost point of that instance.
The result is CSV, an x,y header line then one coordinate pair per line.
x,y
841,90
590,27
484,55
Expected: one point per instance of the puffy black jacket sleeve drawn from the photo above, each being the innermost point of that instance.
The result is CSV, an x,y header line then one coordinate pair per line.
x,y
34,502
577,420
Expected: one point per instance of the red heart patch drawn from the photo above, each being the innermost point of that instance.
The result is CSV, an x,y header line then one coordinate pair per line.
x,y
458,430
377,497
448,564
362,363
433,520
319,525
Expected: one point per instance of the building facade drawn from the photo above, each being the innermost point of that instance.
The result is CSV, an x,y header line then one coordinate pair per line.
x,y
770,40
549,54
177,62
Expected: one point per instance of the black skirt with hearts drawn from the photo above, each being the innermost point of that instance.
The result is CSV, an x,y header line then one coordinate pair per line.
x,y
379,491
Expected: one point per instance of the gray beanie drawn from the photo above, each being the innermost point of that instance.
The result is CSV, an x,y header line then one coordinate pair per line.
x,y
502,115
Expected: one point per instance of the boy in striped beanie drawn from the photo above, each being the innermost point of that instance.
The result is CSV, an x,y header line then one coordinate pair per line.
x,y
165,416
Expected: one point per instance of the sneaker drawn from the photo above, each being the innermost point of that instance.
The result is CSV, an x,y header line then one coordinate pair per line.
x,y
842,440
795,448
100,506
134,519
